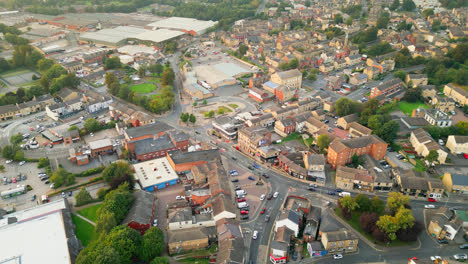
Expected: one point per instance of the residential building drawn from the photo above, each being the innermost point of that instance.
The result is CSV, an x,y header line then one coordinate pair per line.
x,y
340,151
290,219
67,94
313,125
260,95
183,162
280,245
423,143
141,214
428,91
319,114
411,182
289,79
334,82
315,166
129,114
358,130
288,164
358,78
151,148
381,179
416,80
387,88
9,112
457,144
444,104
223,207
301,120
350,179
184,219
341,241
444,224
414,122
457,93
346,120
251,138
95,102
437,118
457,183
285,127
285,112
307,104
265,120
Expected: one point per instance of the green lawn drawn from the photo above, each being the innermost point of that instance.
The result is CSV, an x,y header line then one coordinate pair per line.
x,y
419,165
226,109
14,72
407,107
90,212
143,88
84,231
36,82
293,136
305,252
234,106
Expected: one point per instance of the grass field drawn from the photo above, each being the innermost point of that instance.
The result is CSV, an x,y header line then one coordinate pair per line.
x,y
84,230
90,212
36,82
226,109
234,106
407,107
14,72
143,88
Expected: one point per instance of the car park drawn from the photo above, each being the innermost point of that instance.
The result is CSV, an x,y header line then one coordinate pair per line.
x,y
337,256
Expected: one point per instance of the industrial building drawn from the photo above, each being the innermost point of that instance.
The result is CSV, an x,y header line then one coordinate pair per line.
x,y
31,235
155,174
120,35
220,74
191,26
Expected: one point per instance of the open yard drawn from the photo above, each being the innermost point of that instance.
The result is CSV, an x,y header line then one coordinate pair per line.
x,y
143,88
407,107
90,212
84,231
14,72
19,76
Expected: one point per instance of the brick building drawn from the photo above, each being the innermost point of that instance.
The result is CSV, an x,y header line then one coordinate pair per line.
x,y
387,88
101,147
340,152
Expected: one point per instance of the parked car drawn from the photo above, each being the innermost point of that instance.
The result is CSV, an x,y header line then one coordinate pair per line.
x,y
155,222
22,163
465,155
265,175
233,158
14,180
263,210
255,235
337,256
326,121
232,171
431,200
180,197
312,189
331,193
63,194
460,256
8,161
441,142
464,246
255,165
442,241
234,180
23,177
250,168
267,218
241,200
33,198
262,197
269,196
338,190
251,178
244,212
47,182
429,206
244,217
275,195
70,193
237,188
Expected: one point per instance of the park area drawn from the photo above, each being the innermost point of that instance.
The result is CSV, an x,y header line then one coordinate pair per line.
x,y
18,77
143,88
85,230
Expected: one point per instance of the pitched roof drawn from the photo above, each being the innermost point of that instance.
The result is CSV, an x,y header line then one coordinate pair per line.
x,y
460,139
315,122
459,179
360,128
339,145
351,118
289,74
222,203
179,157
150,129
340,235
291,215
142,208
149,145
183,235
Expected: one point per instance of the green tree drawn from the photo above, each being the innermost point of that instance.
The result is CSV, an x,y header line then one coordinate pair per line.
x,y
349,21
363,202
83,197
220,111
158,68
195,103
92,125
168,77
192,119
323,141
395,4
184,117
345,106
204,102
2,167
43,162
338,18
125,241
117,173
152,244
389,131
16,139
427,12
462,128
71,128
8,152
382,21
404,218
356,160
389,225
348,204
432,156
113,63
400,74
62,177
396,200
105,223
160,260
242,50
142,71
19,155
118,202
377,206
45,64
408,5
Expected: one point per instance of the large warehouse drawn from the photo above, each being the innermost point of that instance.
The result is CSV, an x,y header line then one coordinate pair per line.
x,y
220,74
188,25
120,35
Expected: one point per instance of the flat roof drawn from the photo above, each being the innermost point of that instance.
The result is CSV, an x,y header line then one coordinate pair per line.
x,y
231,69
39,231
154,172
211,75
183,23
158,35
113,35
101,143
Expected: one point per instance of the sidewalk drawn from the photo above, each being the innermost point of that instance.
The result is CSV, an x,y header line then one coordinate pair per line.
x,y
86,219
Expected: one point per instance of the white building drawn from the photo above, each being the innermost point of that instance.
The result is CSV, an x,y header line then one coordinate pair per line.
x,y
155,174
290,219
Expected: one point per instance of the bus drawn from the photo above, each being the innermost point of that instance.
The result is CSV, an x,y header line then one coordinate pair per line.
x,y
13,192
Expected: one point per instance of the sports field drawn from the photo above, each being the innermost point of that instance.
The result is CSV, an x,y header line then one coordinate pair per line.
x,y
143,88
18,77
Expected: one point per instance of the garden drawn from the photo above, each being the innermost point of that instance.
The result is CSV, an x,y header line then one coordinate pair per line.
x,y
392,224
407,107
84,231
143,88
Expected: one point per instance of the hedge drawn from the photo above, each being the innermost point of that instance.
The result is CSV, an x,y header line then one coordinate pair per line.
x,y
90,172
93,180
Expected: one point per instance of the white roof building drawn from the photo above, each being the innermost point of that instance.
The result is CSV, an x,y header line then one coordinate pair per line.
x,y
155,174
184,24
42,234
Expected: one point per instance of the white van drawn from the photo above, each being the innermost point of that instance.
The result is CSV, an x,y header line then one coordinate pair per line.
x,y
343,194
242,205
240,192
255,235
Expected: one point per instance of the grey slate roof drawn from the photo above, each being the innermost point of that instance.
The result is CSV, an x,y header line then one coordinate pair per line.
x,y
150,145
155,128
459,179
142,208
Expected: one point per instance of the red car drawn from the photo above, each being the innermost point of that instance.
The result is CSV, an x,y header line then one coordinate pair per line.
x,y
465,155
241,200
244,212
431,200
263,210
